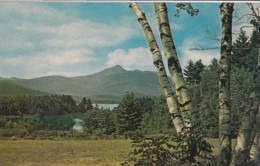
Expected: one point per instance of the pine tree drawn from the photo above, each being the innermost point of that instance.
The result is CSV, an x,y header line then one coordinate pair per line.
x,y
192,72
82,105
128,114
208,106
254,47
240,57
89,105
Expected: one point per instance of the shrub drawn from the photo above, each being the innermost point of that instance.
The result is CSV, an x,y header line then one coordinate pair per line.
x,y
189,149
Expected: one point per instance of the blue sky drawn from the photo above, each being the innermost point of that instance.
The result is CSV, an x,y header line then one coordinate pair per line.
x,y
74,39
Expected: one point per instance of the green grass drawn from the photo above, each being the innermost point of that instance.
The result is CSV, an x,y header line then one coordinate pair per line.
x,y
68,152
63,152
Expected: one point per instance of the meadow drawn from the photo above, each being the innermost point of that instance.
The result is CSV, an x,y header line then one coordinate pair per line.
x,y
63,152
67,152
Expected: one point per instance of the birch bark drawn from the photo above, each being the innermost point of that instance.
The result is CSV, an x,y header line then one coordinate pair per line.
x,y
226,10
255,149
174,66
158,62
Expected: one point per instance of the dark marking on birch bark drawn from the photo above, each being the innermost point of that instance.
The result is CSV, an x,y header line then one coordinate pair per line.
x,y
173,62
185,104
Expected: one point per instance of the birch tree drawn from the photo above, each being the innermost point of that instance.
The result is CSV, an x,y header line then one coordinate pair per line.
x,y
226,10
255,149
182,99
174,66
161,73
241,149
246,132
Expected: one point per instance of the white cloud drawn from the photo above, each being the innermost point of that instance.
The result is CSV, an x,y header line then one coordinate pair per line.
x,y
135,58
38,40
53,59
59,62
37,26
205,55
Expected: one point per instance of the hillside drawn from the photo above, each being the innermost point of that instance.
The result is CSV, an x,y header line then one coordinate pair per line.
x,y
10,89
109,84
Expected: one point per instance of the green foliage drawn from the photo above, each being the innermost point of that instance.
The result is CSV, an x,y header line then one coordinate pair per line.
x,y
207,118
85,105
128,114
242,86
186,7
192,72
100,121
157,119
152,151
37,105
192,148
205,98
162,150
242,52
21,127
203,90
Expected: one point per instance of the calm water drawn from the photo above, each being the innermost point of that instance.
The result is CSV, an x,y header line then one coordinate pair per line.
x,y
108,106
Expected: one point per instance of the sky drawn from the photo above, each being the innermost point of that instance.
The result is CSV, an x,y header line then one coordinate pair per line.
x,y
81,38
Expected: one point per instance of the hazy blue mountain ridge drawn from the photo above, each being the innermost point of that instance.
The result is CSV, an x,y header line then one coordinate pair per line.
x,y
110,83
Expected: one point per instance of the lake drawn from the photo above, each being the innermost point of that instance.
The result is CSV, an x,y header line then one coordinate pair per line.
x,y
108,106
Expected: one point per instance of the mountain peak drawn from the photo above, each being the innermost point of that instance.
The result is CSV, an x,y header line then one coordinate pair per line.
x,y
118,68
114,69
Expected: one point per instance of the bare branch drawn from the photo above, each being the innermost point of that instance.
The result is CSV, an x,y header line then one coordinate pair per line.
x,y
251,7
205,49
239,18
211,35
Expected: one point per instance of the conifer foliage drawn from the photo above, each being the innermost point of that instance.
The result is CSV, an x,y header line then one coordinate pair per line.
x,y
128,114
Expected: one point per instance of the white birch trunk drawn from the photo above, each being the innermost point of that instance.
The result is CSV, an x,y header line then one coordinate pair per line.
x,y
158,62
241,150
255,149
226,10
173,63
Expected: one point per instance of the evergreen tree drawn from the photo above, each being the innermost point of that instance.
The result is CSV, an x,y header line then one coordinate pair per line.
x,y
158,119
254,45
208,109
83,104
128,114
192,71
240,52
89,105
241,87
100,121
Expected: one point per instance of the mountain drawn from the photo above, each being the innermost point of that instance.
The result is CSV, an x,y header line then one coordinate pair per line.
x,y
10,89
109,84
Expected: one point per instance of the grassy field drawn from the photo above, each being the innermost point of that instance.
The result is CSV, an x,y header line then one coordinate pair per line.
x,y
63,152
66,152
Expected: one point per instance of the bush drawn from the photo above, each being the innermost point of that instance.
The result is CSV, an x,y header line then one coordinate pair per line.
x,y
189,149
17,132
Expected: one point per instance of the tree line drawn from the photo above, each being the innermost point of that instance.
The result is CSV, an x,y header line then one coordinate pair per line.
x,y
51,115
42,105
